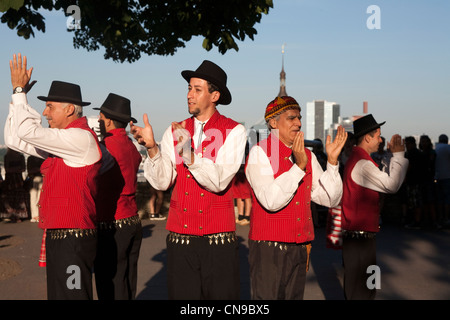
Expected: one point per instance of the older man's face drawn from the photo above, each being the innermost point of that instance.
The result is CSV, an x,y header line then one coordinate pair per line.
x,y
288,124
56,114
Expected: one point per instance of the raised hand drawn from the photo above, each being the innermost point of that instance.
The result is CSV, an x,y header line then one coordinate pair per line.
x,y
333,149
144,135
20,75
396,144
298,150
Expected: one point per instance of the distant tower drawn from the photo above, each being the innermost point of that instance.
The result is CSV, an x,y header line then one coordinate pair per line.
x,y
282,75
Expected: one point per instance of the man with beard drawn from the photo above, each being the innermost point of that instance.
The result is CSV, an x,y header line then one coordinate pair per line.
x,y
200,157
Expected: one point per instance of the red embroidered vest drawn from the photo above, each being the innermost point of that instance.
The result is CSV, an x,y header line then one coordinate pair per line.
x,y
293,223
360,206
67,197
193,209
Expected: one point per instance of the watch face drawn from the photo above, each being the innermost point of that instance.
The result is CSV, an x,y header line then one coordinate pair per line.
x,y
18,90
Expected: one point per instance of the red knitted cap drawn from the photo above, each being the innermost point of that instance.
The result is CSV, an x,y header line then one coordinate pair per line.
x,y
279,105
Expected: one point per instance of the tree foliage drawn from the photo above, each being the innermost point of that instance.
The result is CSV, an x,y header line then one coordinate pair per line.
x,y
127,29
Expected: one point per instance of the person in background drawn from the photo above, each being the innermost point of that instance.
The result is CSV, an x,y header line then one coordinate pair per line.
x,y
14,194
35,185
119,225
442,176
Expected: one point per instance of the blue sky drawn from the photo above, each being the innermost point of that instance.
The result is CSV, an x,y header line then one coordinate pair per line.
x,y
402,69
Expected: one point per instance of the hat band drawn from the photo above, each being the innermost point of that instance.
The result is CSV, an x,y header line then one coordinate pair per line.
x,y
116,114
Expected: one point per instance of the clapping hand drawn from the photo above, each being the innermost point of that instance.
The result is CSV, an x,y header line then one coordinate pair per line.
x,y
333,149
183,147
298,150
396,144
144,135
20,75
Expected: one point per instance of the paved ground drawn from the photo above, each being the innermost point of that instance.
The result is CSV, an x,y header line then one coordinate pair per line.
x,y
414,264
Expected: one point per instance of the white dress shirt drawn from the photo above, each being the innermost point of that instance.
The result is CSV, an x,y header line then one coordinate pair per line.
x,y
274,194
367,175
161,172
24,133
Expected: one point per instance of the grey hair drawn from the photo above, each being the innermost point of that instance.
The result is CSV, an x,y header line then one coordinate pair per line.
x,y
78,110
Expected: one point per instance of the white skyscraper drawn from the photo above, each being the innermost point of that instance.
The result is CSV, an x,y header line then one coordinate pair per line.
x,y
320,116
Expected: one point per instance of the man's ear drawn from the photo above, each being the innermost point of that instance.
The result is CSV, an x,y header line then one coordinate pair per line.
x,y
70,110
215,96
273,123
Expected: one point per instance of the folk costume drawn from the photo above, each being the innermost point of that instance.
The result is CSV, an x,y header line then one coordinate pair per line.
x,y
119,225
281,226
202,248
363,182
66,205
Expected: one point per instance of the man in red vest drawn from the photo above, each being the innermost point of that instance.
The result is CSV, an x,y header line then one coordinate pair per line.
x,y
363,182
119,225
199,157
72,160
285,177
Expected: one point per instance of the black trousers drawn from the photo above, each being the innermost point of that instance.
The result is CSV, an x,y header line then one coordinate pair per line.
x,y
203,270
116,262
70,260
277,273
357,255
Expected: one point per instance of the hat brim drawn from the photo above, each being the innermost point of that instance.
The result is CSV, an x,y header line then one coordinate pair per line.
x,y
367,130
64,99
225,95
117,117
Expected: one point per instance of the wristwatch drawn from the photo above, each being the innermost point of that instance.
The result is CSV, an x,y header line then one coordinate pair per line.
x,y
18,90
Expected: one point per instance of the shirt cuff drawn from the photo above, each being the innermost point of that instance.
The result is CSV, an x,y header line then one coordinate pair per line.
x,y
400,154
333,168
155,158
297,172
19,98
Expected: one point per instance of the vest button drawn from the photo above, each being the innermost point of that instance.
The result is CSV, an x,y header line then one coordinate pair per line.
x,y
299,235
185,225
186,193
185,209
202,194
200,227
298,219
297,203
188,176
200,211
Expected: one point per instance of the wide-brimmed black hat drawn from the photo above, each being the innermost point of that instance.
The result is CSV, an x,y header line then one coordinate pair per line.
x,y
365,125
211,72
64,92
117,108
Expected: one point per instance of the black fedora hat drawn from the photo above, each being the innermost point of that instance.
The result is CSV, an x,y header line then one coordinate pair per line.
x,y
211,72
365,125
64,92
117,108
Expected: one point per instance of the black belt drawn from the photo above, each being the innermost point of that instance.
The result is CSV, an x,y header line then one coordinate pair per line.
x,y
349,234
66,233
215,238
283,245
119,223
